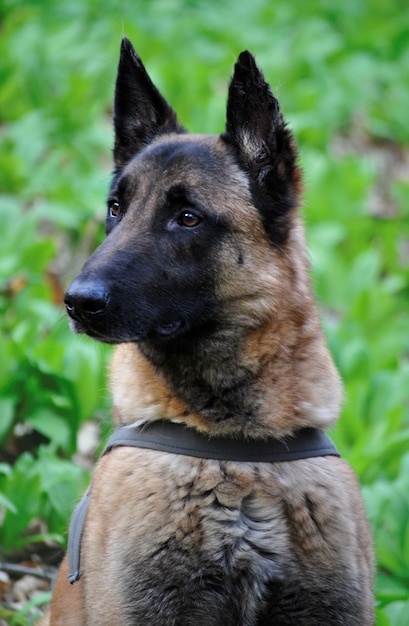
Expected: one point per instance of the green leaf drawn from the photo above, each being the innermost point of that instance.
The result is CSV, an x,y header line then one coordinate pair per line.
x,y
381,618
5,469
397,612
7,503
7,412
390,590
51,425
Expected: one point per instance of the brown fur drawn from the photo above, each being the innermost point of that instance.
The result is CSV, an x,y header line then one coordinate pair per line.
x,y
175,540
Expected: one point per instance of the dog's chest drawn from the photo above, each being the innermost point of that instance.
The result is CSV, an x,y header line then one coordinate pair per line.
x,y
177,532
223,509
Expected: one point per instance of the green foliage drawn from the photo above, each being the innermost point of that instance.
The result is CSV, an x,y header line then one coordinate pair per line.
x,y
341,72
387,503
45,486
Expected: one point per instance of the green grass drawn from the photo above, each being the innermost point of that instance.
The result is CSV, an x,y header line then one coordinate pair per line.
x,y
341,73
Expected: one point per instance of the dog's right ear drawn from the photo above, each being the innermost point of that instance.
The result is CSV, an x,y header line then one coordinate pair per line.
x,y
140,111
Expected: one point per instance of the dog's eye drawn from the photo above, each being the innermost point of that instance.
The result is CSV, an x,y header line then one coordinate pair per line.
x,y
113,208
189,219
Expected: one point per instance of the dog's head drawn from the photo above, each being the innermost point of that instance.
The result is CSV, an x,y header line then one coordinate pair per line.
x,y
199,228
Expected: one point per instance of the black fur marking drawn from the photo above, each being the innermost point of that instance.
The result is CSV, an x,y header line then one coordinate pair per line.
x,y
296,602
140,111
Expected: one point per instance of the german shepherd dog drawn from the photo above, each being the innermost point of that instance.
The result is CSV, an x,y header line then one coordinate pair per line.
x,y
202,283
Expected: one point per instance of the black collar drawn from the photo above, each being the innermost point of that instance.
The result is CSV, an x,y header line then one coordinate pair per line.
x,y
166,436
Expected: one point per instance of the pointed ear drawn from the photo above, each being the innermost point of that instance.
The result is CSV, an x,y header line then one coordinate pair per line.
x,y
140,111
265,147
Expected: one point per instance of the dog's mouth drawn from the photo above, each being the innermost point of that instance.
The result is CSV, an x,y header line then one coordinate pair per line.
x,y
96,329
81,328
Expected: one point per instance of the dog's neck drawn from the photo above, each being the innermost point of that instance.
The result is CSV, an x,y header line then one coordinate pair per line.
x,y
265,382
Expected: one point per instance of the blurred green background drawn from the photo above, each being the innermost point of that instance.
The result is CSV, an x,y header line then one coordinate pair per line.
x,y
341,73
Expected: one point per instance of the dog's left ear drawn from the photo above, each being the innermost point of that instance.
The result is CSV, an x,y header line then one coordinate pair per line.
x,y
265,147
140,111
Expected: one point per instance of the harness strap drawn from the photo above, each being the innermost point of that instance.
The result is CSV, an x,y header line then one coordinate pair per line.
x,y
166,436
75,537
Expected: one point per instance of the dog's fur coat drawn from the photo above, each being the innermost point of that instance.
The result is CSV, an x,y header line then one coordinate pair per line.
x,y
203,283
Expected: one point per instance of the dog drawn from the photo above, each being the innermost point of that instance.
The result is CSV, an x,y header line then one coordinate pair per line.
x,y
202,283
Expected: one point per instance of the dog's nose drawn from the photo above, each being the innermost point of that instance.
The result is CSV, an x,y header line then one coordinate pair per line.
x,y
84,299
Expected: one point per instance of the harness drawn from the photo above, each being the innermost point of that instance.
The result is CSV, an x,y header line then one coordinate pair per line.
x,y
167,436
